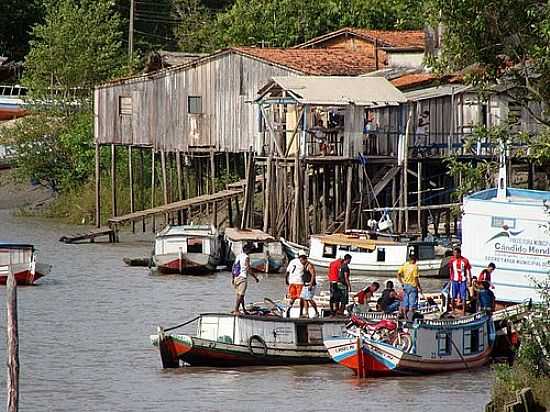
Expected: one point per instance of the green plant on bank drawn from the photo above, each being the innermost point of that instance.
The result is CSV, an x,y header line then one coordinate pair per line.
x,y
221,182
532,366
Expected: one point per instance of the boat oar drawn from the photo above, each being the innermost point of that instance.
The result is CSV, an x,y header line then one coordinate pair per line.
x,y
183,324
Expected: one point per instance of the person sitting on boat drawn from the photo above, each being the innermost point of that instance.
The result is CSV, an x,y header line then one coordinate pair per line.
x,y
460,276
295,282
364,296
309,289
409,279
485,275
333,275
240,271
486,298
389,301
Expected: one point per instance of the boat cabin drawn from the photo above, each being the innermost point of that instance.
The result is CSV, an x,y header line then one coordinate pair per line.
x,y
15,256
201,239
261,242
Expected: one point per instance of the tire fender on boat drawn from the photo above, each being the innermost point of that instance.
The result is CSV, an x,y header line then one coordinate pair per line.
x,y
261,341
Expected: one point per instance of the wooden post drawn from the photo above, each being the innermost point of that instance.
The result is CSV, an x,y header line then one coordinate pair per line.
x,y
230,212
306,203
227,169
297,190
131,179
97,186
12,379
361,171
393,198
213,171
337,189
267,205
315,218
419,195
113,180
164,183
179,183
347,220
153,185
215,214
142,181
285,199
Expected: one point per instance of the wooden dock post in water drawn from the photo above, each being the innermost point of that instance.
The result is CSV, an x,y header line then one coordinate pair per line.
x,y
347,218
113,179
131,179
97,187
12,379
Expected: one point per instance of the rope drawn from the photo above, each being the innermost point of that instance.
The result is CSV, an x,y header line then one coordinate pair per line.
x,y
183,324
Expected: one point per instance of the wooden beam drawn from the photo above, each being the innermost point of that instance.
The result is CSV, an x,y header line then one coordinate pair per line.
x,y
153,185
267,201
163,170
213,171
131,185
324,210
306,202
12,378
347,218
113,180
419,195
97,186
427,207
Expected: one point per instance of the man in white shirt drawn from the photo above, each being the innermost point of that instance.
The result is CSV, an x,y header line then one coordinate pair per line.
x,y
295,280
240,271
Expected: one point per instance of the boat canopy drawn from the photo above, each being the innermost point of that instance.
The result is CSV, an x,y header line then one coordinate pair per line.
x,y
250,235
351,240
8,245
187,230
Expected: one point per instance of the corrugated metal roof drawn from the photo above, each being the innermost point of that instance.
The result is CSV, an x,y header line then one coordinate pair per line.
x,y
437,91
341,91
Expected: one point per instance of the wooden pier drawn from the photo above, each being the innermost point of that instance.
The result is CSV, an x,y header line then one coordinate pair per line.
x,y
91,236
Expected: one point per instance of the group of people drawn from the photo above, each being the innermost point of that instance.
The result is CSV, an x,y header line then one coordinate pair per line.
x,y
301,281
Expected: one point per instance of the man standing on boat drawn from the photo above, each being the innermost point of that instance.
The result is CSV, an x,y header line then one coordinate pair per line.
x,y
310,286
295,281
343,286
460,276
409,279
240,271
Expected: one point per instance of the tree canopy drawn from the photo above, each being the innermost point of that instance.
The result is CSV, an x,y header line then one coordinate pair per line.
x,y
16,19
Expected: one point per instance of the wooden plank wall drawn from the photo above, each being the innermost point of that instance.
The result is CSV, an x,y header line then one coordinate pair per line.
x,y
160,118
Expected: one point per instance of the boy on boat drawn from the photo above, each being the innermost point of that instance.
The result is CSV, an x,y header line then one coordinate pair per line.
x,y
409,279
460,276
340,286
295,281
486,298
240,271
364,296
389,301
309,289
485,275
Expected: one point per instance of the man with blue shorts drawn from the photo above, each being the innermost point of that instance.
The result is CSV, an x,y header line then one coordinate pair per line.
x,y
460,272
408,277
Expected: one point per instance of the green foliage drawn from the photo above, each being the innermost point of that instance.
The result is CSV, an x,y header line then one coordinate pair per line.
x,y
56,151
498,39
195,32
16,19
78,45
222,181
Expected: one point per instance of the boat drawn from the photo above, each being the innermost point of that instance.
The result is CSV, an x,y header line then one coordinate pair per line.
x,y
138,261
11,102
227,340
423,347
373,256
20,259
187,250
293,250
266,255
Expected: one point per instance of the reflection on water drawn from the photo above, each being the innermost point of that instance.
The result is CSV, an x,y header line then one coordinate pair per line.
x,y
84,345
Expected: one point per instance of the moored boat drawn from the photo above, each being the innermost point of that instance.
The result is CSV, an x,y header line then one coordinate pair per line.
x,y
266,255
293,250
244,340
427,346
11,103
187,250
373,256
20,259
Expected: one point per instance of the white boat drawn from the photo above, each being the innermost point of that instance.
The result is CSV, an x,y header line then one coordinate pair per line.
x,y
188,250
373,256
267,253
427,346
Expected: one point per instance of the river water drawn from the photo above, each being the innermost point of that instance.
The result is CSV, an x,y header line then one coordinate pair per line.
x,y
84,343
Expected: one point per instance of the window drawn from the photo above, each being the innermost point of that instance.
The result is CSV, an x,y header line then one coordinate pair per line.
x,y
301,334
125,105
194,245
194,104
329,251
443,343
473,341
381,254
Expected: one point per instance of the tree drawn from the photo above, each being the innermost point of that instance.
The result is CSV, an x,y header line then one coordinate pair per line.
x,y
496,41
78,45
16,19
195,32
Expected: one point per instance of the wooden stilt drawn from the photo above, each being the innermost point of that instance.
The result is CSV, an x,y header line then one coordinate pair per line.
x,y
267,201
142,184
394,198
179,184
97,186
131,183
306,203
215,214
324,210
347,219
297,191
113,180
285,199
212,171
153,187
315,214
164,182
12,378
227,165
230,213
337,190
419,195
361,176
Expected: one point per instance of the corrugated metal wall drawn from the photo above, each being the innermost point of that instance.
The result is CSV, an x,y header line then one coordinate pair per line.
x,y
160,115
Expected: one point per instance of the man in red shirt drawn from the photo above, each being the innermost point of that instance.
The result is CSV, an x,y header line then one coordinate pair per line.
x,y
460,276
334,270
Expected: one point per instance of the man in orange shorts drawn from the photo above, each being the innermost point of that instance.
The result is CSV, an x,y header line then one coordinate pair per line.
x,y
295,281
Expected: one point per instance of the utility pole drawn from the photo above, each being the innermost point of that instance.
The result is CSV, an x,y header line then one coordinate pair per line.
x,y
12,379
131,33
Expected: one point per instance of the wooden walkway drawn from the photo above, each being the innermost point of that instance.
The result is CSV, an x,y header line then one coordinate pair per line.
x,y
186,204
91,236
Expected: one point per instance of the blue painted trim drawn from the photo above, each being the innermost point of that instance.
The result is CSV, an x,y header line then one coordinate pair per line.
x,y
490,195
380,358
344,355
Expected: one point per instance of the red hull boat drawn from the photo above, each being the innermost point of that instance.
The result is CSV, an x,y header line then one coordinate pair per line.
x,y
21,261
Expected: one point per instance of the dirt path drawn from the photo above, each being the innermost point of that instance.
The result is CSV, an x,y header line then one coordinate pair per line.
x,y
14,195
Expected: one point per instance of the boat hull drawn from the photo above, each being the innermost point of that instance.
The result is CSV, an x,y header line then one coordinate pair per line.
x,y
274,263
26,276
177,349
371,358
185,264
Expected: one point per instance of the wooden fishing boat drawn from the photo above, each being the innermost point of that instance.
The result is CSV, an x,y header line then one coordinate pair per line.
x,y
244,340
427,346
373,256
11,102
188,250
267,253
293,250
21,260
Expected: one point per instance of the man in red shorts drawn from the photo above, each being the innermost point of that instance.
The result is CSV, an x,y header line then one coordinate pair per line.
x,y
295,281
